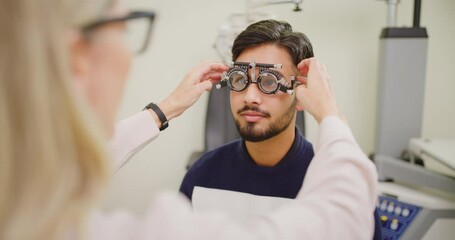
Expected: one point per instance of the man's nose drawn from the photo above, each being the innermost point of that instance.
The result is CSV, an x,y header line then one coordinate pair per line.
x,y
253,95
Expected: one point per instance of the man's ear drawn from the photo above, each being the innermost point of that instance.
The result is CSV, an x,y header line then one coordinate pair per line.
x,y
298,106
79,57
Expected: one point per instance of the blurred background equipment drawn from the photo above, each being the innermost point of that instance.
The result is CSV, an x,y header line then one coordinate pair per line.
x,y
237,22
417,187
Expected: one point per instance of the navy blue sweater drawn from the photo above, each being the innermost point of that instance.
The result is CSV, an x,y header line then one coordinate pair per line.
x,y
230,167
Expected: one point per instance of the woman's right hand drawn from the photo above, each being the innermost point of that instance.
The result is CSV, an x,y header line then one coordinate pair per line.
x,y
199,80
314,93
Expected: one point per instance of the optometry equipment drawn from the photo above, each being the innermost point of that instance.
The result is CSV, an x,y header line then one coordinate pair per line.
x,y
417,186
269,81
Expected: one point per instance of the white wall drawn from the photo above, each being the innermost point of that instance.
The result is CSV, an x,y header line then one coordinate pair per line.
x,y
345,35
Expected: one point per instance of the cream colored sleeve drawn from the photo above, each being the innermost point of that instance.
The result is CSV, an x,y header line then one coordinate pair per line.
x,y
131,135
336,202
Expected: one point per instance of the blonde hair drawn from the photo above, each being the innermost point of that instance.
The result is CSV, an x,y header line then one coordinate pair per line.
x,y
52,151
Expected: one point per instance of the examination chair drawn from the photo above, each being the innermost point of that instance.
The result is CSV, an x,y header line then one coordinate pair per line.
x,y
219,124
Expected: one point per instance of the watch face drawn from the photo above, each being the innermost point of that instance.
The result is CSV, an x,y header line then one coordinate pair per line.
x,y
164,126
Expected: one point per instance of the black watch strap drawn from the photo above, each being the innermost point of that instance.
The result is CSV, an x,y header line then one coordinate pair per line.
x,y
160,114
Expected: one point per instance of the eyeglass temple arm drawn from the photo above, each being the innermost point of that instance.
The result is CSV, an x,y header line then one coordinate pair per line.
x,y
288,90
223,82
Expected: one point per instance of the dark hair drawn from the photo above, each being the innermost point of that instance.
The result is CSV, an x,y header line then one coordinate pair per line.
x,y
276,32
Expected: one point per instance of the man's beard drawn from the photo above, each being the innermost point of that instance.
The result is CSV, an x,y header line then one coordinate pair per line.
x,y
250,134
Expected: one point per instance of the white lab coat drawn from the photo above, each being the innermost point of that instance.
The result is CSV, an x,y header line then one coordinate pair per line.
x,y
335,202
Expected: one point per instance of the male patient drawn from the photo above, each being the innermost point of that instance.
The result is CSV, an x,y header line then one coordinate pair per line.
x,y
267,166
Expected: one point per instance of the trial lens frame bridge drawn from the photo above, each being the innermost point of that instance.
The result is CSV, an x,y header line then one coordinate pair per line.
x,y
269,81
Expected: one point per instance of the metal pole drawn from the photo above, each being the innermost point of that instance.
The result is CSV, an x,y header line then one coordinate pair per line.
x,y
392,12
417,9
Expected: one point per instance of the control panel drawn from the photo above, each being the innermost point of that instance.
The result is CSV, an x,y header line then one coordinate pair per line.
x,y
396,216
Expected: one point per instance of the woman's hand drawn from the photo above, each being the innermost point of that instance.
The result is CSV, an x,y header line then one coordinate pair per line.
x,y
314,93
199,80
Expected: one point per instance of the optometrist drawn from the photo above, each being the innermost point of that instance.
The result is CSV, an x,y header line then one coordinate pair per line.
x,y
61,78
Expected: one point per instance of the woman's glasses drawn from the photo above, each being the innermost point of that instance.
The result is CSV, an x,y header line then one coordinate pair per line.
x,y
138,28
269,81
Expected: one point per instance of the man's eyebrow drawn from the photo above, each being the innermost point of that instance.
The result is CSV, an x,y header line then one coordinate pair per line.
x,y
273,71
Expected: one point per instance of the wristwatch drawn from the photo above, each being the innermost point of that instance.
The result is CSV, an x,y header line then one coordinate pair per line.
x,y
160,114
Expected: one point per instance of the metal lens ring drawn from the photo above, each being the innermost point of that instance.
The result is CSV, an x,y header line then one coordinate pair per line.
x,y
237,79
269,81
